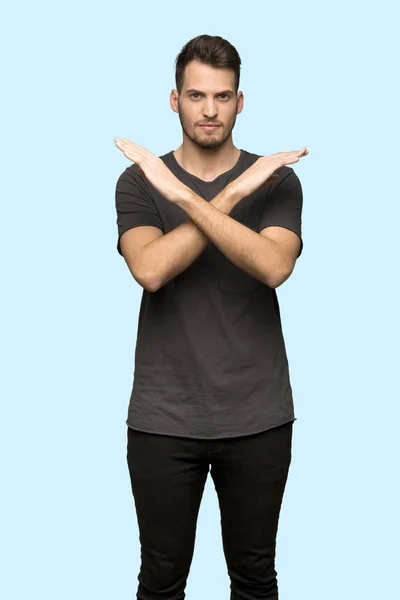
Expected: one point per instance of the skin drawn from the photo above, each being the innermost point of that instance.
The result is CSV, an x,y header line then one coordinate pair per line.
x,y
154,258
204,153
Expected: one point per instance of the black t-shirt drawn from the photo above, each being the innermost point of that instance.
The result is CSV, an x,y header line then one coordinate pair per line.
x,y
210,358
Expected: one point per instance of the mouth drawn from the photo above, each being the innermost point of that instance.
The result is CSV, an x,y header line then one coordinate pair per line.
x,y
209,127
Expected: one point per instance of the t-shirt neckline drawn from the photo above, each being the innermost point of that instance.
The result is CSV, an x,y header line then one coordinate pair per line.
x,y
229,172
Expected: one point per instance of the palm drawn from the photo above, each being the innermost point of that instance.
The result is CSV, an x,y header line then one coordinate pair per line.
x,y
153,169
261,171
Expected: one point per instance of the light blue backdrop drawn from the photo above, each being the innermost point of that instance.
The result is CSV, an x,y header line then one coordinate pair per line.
x,y
77,74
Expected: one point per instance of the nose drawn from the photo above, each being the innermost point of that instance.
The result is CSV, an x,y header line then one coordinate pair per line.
x,y
209,110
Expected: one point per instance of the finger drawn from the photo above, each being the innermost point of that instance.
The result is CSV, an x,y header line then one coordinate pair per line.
x,y
298,152
292,153
125,143
120,141
133,151
140,153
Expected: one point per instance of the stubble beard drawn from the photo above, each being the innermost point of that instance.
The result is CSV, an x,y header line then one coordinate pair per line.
x,y
203,140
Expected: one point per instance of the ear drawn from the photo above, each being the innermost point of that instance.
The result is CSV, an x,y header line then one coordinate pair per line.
x,y
240,99
173,100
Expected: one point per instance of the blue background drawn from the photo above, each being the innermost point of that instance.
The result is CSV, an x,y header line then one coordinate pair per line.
x,y
75,76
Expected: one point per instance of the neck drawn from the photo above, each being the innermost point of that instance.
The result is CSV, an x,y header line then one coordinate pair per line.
x,y
207,163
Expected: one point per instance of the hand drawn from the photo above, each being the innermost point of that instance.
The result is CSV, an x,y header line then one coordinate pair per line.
x,y
154,169
261,171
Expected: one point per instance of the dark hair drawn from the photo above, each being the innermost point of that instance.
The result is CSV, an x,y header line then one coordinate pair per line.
x,y
211,50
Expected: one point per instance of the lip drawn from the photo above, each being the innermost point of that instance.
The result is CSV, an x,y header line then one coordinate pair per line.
x,y
209,126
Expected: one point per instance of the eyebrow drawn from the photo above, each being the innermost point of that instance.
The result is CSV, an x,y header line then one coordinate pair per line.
x,y
228,92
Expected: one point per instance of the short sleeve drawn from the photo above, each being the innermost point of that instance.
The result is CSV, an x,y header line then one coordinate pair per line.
x,y
134,204
284,205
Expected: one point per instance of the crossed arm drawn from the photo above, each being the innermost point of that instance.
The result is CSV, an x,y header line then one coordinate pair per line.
x,y
269,256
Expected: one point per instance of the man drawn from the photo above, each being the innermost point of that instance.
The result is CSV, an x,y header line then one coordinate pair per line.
x,y
209,231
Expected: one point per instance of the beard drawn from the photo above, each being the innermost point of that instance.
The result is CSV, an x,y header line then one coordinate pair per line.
x,y
203,140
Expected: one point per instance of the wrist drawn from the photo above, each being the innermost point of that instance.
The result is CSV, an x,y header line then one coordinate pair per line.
x,y
186,196
232,195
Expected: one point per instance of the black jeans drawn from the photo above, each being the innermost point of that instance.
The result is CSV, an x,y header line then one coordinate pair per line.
x,y
168,475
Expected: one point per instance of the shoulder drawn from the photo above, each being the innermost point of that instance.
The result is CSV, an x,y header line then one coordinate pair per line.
x,y
131,172
133,177
286,174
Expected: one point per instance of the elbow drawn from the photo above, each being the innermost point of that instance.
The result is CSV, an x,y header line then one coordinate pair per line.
x,y
150,283
146,280
275,280
153,287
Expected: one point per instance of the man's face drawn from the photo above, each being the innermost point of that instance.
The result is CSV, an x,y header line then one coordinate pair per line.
x,y
207,96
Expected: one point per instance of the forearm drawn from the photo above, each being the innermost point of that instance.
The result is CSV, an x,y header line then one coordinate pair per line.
x,y
256,254
170,254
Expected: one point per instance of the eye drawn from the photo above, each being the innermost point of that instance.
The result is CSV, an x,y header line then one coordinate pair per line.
x,y
226,97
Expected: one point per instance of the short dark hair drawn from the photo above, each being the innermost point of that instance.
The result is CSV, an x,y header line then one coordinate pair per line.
x,y
210,50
